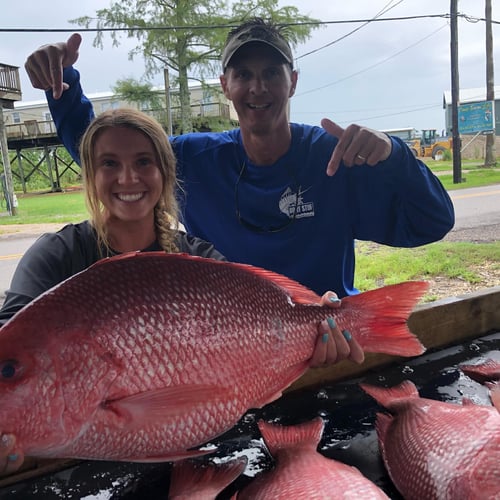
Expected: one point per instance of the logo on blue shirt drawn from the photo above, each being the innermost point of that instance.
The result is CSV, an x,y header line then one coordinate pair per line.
x,y
288,200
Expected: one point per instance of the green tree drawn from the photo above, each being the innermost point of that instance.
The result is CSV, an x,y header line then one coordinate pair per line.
x,y
187,36
144,95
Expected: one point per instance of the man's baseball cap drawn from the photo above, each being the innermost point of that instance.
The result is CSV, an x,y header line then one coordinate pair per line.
x,y
259,34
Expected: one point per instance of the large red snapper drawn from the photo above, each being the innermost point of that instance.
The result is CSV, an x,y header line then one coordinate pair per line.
x,y
302,473
144,356
438,450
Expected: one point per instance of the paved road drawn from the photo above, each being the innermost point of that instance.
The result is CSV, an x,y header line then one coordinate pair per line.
x,y
477,212
477,219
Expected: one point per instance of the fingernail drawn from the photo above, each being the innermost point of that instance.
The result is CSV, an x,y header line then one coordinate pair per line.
x,y
347,335
334,300
12,457
6,440
331,322
324,338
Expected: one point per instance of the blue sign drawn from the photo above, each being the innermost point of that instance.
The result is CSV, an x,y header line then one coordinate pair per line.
x,y
476,117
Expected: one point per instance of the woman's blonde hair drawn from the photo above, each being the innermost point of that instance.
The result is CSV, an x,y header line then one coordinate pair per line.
x,y
166,213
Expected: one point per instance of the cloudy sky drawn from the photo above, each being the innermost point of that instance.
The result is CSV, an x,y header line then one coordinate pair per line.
x,y
384,74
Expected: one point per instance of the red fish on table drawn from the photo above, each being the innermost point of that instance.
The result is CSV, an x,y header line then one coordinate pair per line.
x,y
302,473
438,450
144,356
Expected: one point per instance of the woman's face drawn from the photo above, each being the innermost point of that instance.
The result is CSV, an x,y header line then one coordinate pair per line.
x,y
127,174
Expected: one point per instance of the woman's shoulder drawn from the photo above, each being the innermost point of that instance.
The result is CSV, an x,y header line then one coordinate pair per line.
x,y
192,245
75,240
69,233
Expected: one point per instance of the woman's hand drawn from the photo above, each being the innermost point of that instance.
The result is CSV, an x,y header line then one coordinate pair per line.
x,y
11,457
333,343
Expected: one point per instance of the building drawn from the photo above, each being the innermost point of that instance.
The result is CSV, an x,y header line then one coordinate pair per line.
x,y
28,126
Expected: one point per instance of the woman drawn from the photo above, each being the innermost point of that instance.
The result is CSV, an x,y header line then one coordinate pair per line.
x,y
129,180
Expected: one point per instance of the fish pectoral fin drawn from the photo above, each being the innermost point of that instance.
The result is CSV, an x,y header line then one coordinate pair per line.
x,y
167,402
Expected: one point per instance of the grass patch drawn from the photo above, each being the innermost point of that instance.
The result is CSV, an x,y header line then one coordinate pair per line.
x,y
474,178
48,208
473,173
378,265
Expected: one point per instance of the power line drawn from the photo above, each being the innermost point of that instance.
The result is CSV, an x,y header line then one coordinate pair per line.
x,y
384,9
228,26
371,66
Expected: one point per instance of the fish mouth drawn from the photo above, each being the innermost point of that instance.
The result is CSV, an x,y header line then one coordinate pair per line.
x,y
130,197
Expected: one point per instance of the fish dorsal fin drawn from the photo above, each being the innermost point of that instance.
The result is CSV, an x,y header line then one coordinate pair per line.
x,y
388,397
189,478
299,294
279,437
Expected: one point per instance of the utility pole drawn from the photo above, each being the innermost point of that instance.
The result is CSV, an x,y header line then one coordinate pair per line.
x,y
455,98
490,153
9,186
167,100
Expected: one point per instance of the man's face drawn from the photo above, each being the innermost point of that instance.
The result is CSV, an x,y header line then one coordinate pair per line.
x,y
259,82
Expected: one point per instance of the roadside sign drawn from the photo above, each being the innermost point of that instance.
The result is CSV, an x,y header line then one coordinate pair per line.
x,y
476,117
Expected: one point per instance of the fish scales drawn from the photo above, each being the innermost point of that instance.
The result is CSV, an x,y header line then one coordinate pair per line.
x,y
149,355
301,472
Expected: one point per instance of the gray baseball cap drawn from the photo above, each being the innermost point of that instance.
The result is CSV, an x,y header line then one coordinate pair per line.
x,y
260,34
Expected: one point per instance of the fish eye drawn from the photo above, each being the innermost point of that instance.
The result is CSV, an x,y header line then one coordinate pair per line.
x,y
8,369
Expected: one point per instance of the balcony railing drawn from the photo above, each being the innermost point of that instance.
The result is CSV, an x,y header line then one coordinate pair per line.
x,y
40,129
10,85
30,129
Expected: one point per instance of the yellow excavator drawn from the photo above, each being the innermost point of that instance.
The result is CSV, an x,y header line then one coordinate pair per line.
x,y
429,145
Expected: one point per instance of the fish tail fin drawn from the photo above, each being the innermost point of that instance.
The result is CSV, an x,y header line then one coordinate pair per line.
x,y
279,437
187,475
494,388
383,314
487,370
388,397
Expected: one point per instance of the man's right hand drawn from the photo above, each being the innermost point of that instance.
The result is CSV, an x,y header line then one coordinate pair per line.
x,y
45,66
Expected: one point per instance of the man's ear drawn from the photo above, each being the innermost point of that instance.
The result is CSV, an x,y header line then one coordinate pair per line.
x,y
223,84
294,77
